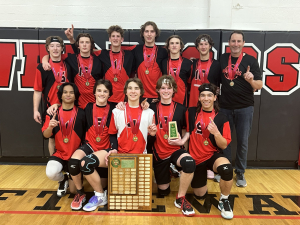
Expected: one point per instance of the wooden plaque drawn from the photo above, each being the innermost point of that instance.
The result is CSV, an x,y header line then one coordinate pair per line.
x,y
130,182
173,132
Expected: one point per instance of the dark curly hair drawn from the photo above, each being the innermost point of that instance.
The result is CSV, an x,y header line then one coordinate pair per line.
x,y
61,90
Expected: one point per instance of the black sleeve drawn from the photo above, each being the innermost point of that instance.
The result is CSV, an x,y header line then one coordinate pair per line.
x,y
150,143
215,73
75,49
113,141
164,56
255,70
83,128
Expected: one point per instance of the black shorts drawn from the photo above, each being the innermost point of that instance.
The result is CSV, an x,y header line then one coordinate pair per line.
x,y
87,149
64,163
200,174
162,167
103,172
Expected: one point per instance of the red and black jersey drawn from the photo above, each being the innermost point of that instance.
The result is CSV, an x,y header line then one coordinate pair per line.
x,y
91,134
240,95
64,150
118,81
84,85
197,149
45,81
199,78
162,149
181,78
120,125
155,70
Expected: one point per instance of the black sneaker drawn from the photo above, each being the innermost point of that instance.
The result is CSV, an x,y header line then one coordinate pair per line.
x,y
185,206
63,186
225,208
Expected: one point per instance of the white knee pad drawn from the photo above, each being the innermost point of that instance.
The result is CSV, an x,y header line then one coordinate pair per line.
x,y
53,170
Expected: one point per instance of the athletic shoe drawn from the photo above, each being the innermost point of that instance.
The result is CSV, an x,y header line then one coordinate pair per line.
x,y
210,174
217,178
185,206
173,171
225,208
96,201
77,202
63,186
240,180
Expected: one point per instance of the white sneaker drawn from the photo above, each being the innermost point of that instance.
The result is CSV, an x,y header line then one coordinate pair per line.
x,y
63,186
96,201
225,208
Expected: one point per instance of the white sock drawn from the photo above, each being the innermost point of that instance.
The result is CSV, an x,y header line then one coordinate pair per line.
x,y
224,196
98,194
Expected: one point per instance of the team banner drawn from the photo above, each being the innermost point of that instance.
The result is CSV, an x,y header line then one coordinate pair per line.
x,y
278,137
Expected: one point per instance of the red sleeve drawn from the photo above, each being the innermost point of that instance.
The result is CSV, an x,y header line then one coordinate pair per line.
x,y
46,124
97,52
64,56
187,121
130,48
112,126
226,132
38,85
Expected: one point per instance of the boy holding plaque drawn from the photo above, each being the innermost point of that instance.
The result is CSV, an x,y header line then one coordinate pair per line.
x,y
168,146
128,131
67,125
210,134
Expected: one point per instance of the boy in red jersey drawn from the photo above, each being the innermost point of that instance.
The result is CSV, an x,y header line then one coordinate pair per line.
x,y
166,151
118,64
67,126
86,68
125,136
98,117
148,59
205,69
47,83
177,67
210,134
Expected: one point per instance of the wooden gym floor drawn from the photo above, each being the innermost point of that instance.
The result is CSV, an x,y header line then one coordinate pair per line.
x,y
27,196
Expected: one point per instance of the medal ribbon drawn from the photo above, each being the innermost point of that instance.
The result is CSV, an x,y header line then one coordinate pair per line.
x,y
231,73
148,60
99,128
134,128
58,77
171,69
66,131
205,132
87,74
205,75
116,69
170,116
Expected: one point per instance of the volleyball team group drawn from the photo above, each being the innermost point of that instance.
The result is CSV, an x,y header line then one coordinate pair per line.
x,y
121,100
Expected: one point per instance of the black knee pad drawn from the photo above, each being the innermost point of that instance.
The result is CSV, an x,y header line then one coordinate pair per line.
x,y
188,164
74,167
90,163
225,171
201,197
164,192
